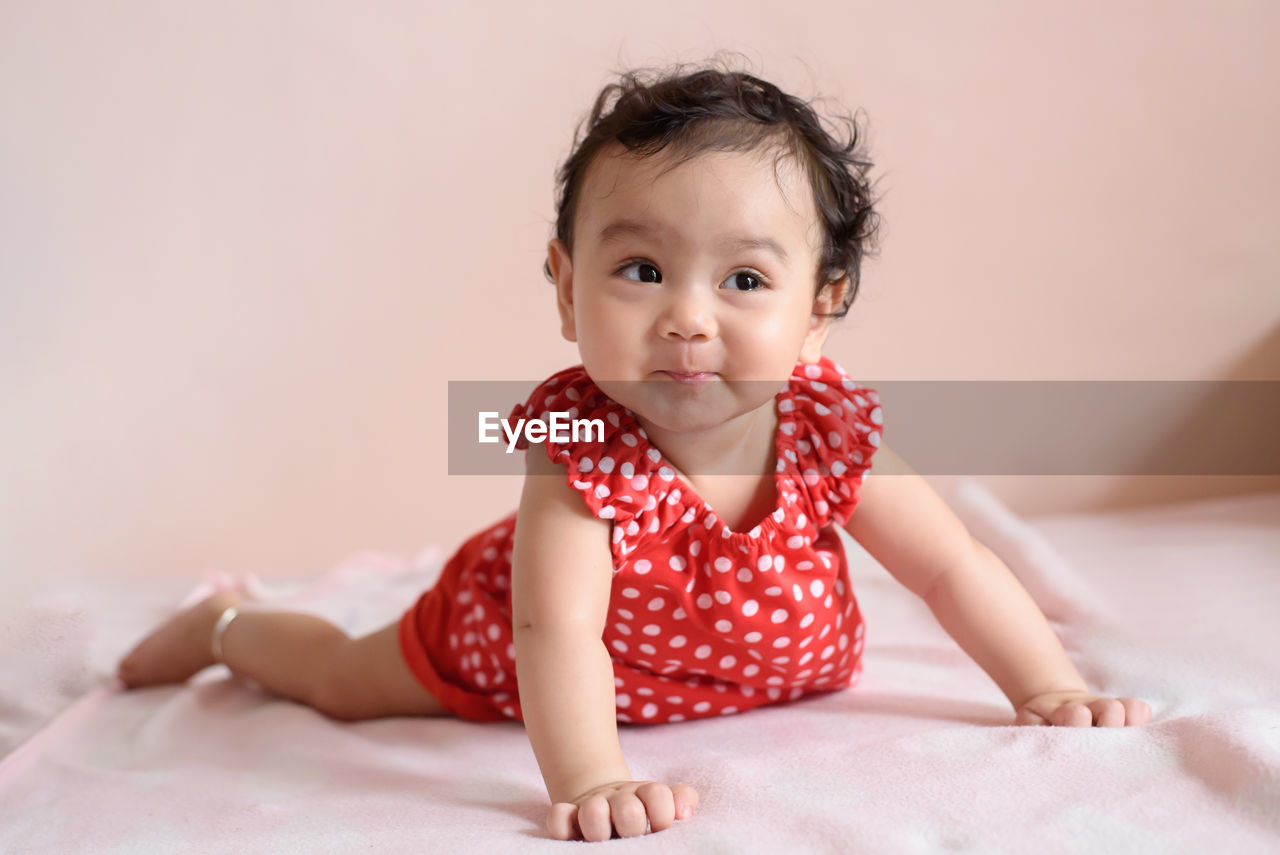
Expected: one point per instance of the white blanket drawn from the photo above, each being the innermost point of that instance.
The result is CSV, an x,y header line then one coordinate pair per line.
x,y
1175,605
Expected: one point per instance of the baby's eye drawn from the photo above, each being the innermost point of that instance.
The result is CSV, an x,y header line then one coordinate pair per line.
x,y
653,277
746,279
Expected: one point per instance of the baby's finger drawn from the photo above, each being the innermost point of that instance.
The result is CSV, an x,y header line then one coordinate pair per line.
x,y
628,813
1136,711
686,799
562,821
1026,716
659,804
1107,712
1072,714
594,819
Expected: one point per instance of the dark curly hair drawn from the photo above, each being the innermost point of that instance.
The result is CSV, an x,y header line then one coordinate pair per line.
x,y
717,109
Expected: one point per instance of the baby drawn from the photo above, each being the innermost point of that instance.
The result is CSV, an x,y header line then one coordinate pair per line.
x,y
687,564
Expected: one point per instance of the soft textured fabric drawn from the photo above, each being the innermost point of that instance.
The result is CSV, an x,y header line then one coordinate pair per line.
x,y
920,757
702,620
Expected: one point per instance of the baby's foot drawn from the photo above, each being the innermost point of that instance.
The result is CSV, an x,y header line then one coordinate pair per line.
x,y
180,647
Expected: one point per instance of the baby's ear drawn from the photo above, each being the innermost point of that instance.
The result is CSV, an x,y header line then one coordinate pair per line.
x,y
829,299
560,264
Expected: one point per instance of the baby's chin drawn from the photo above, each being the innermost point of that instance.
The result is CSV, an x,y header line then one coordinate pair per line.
x,y
686,408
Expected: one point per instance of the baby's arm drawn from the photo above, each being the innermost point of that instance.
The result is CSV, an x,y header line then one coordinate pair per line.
x,y
907,527
562,572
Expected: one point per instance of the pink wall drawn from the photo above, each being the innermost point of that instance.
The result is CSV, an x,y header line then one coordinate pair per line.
x,y
244,246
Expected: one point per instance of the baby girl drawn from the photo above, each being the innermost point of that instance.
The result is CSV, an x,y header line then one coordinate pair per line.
x,y
709,228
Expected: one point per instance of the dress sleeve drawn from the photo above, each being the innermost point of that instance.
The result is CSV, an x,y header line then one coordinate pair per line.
x,y
837,426
603,458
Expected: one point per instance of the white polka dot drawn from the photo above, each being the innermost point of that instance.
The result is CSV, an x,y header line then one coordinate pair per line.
x,y
666,473
702,651
797,593
648,648
619,645
778,616
622,628
494,632
704,601
654,455
724,565
656,603
623,701
751,671
806,620
678,642
723,598
765,562
744,575
630,593
753,637
701,706
649,710
750,607
679,613
779,563
877,417
781,642
795,541
838,468
834,439
602,491
651,629
677,563
628,439
723,626
773,591
828,651
813,372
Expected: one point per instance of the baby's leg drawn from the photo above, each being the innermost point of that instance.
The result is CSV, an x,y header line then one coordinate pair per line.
x,y
299,656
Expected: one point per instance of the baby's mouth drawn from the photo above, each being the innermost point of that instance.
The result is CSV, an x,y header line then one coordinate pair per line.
x,y
690,376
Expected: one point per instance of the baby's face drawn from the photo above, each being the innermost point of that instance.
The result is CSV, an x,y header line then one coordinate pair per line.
x,y
709,267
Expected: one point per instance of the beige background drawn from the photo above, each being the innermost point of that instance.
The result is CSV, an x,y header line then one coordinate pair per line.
x,y
245,245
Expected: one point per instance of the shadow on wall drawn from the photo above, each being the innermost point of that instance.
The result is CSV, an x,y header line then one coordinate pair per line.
x,y
1234,425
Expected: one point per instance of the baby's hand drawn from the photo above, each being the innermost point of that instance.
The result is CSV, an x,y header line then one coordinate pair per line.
x,y
1081,709
624,805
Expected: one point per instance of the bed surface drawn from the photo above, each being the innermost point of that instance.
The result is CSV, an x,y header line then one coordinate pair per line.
x,y
1172,604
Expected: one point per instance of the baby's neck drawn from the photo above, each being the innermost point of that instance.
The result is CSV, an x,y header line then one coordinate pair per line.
x,y
745,445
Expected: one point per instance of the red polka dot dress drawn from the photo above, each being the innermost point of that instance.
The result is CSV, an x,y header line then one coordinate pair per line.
x,y
702,620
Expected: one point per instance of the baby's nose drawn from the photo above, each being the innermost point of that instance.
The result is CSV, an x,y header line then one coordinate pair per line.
x,y
688,316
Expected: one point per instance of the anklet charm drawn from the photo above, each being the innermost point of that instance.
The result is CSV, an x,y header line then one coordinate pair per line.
x,y
228,615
